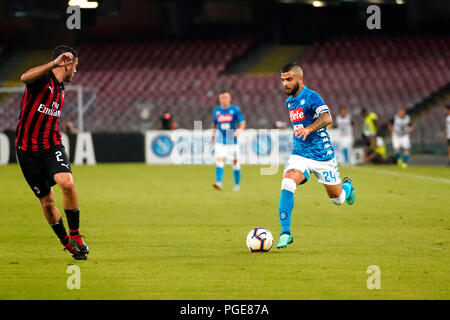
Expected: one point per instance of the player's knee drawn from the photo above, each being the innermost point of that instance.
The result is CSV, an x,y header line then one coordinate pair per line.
x,y
48,203
288,184
220,163
339,200
236,166
67,186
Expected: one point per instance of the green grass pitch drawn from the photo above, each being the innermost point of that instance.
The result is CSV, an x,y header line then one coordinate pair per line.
x,y
163,232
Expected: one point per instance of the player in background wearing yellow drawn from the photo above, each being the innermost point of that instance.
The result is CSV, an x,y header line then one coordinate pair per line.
x,y
369,126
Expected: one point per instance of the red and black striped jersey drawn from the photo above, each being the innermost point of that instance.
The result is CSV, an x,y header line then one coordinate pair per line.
x,y
38,126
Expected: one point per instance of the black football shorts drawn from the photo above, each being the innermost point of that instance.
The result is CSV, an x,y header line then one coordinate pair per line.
x,y
39,167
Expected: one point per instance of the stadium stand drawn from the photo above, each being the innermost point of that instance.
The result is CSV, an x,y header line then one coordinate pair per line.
x,y
380,74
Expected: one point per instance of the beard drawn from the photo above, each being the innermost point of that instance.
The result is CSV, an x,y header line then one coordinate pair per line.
x,y
293,91
69,77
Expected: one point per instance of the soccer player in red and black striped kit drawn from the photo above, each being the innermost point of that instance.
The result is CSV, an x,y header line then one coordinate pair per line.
x,y
39,147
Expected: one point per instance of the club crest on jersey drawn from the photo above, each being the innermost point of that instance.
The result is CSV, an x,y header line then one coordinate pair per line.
x,y
224,118
302,102
296,115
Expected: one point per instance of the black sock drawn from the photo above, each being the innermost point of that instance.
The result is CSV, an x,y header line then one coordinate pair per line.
x,y
73,220
60,231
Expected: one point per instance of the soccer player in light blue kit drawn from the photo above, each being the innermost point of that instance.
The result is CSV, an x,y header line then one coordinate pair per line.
x,y
312,151
229,122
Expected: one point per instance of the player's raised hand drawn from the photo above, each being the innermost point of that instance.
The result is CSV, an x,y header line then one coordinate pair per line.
x,y
302,132
64,59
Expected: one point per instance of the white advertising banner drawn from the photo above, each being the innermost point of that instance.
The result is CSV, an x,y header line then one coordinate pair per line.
x,y
257,146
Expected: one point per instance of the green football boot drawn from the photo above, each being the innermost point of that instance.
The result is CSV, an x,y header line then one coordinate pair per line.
x,y
285,239
352,197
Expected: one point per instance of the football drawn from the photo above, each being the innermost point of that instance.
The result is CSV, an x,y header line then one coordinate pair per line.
x,y
259,240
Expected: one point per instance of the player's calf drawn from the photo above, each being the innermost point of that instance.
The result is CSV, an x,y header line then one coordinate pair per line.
x,y
347,193
237,175
220,164
339,200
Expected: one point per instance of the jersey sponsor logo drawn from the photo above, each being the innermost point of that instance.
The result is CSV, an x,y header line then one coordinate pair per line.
x,y
296,115
43,109
224,118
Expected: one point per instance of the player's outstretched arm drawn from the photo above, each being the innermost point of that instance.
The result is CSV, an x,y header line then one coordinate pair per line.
x,y
213,136
239,130
324,120
37,72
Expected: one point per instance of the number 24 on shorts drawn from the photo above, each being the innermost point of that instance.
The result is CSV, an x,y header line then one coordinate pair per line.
x,y
329,176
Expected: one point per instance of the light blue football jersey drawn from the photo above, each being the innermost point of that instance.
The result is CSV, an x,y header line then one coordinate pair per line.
x,y
227,120
304,109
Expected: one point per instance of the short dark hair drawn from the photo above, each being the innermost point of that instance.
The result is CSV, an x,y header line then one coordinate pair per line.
x,y
224,91
288,67
62,49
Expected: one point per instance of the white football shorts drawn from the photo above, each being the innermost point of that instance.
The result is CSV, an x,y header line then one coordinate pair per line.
x,y
227,151
401,141
346,142
326,172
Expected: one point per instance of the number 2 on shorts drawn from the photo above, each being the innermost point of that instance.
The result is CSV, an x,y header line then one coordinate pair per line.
x,y
58,156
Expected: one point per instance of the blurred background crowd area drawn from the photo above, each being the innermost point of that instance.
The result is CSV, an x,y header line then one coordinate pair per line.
x,y
144,60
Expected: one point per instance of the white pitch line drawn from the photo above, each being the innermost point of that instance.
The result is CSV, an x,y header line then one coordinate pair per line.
x,y
408,175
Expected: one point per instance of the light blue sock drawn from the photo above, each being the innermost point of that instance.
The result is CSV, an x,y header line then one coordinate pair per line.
x,y
405,157
346,155
237,176
285,210
347,188
219,174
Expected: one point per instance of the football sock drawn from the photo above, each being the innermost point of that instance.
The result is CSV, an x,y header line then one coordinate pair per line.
x,y
405,157
219,172
237,174
285,210
397,155
346,155
288,187
60,231
347,188
73,220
